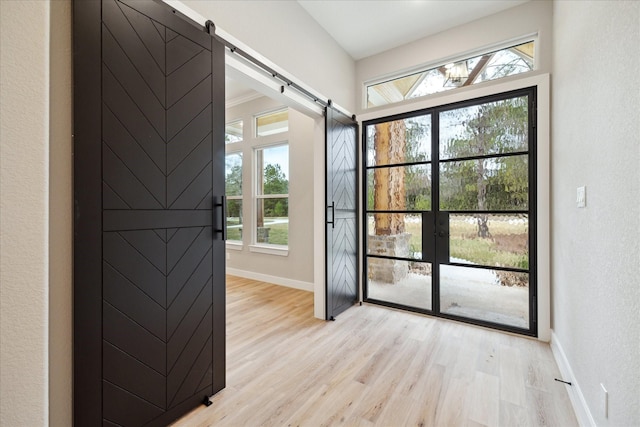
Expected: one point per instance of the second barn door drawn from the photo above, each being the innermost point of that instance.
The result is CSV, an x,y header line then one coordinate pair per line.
x,y
341,212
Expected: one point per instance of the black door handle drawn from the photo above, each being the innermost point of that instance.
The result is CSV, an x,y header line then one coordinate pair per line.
x,y
333,214
223,217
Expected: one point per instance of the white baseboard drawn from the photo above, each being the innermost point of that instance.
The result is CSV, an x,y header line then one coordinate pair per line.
x,y
580,407
282,281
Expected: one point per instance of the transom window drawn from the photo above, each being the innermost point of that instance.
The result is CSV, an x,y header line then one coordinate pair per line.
x,y
488,66
272,123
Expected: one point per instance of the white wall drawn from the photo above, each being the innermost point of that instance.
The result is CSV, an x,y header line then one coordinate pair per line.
x,y
283,32
530,18
596,252
295,269
24,193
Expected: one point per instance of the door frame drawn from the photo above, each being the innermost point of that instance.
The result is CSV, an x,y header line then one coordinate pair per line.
x,y
543,241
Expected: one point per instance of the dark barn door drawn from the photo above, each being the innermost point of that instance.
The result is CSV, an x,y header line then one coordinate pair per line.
x,y
149,179
341,274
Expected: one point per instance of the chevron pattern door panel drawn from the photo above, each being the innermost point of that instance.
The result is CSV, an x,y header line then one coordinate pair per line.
x,y
342,224
162,258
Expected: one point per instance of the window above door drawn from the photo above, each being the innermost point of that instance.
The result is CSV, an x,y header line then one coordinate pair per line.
x,y
490,65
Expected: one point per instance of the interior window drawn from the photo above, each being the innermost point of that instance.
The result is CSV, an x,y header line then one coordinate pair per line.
x,y
272,195
272,123
233,190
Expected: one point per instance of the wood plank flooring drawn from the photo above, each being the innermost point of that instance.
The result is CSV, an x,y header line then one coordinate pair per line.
x,y
374,366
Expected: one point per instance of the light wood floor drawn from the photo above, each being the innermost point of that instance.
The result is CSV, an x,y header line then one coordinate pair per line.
x,y
374,366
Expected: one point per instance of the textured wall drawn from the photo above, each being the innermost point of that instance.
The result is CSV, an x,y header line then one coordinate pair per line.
x,y
595,250
24,169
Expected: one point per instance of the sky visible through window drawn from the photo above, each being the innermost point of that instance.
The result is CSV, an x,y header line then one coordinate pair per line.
x,y
278,155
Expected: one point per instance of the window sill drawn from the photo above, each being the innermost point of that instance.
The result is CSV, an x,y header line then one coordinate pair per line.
x,y
270,250
233,245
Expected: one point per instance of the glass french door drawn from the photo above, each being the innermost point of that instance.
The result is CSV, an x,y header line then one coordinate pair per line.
x,y
449,219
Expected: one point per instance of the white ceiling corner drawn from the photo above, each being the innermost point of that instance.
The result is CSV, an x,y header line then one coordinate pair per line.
x,y
367,27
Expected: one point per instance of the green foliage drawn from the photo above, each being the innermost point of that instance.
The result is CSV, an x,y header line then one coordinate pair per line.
x,y
492,183
464,244
275,182
278,234
417,138
483,251
233,181
234,209
417,178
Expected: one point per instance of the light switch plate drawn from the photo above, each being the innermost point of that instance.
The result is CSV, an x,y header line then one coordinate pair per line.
x,y
581,197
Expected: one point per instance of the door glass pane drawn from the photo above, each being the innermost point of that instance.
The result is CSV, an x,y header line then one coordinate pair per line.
x,y
495,296
492,128
491,240
399,141
399,188
499,183
401,282
405,240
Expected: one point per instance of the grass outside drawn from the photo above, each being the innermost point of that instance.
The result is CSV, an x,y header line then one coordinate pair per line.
x,y
234,233
507,246
278,232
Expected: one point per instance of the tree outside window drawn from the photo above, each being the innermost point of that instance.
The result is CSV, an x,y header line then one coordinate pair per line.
x,y
272,195
233,190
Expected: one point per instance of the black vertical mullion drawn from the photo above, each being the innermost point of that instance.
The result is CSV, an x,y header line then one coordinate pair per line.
x,y
435,208
365,220
533,191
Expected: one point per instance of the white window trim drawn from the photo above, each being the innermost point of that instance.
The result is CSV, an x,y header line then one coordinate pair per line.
x,y
270,249
234,245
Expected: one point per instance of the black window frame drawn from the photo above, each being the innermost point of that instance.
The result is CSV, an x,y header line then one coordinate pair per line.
x,y
434,162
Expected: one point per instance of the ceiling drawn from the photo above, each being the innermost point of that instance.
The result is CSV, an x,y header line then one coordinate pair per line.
x,y
236,92
367,27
